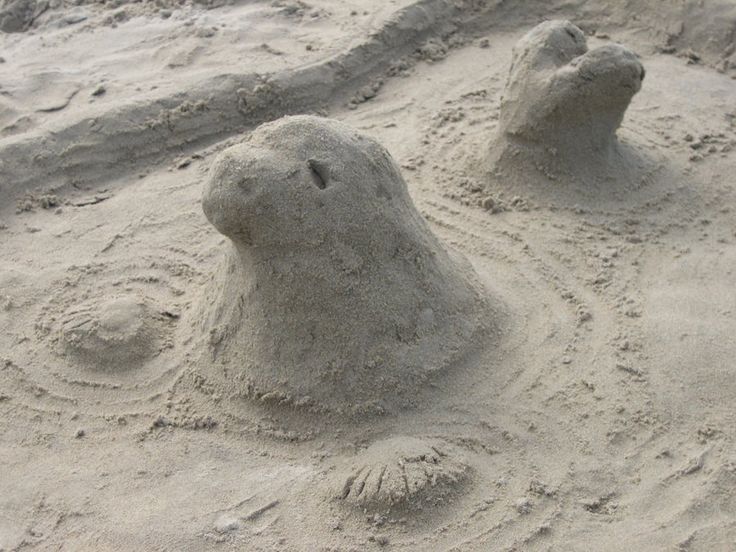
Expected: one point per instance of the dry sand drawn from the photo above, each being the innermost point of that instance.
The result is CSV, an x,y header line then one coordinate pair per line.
x,y
166,386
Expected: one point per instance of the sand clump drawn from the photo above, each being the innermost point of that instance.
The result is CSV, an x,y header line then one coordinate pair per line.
x,y
334,292
21,15
563,104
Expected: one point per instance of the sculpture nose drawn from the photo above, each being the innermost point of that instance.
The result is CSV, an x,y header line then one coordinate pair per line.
x,y
225,196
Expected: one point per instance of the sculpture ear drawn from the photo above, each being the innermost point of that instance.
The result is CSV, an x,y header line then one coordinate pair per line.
x,y
320,173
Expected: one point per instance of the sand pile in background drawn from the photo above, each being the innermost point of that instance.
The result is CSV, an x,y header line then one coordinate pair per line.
x,y
154,371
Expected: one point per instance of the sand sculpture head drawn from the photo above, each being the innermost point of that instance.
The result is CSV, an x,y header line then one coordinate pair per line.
x,y
304,180
334,294
562,100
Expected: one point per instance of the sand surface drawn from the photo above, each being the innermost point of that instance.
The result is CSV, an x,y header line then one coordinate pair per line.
x,y
595,413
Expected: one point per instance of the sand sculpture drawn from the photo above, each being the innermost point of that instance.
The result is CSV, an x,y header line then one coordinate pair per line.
x,y
401,473
116,333
563,103
334,293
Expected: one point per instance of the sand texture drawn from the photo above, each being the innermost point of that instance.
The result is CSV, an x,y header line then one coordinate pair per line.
x,y
411,275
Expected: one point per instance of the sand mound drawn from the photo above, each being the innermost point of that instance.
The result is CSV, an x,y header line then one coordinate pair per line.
x,y
563,104
334,293
401,473
113,334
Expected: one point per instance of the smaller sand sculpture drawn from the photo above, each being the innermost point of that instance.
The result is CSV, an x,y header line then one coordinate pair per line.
x,y
563,103
334,293
401,473
114,334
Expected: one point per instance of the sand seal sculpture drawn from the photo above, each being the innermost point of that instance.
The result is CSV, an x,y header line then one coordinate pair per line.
x,y
334,293
563,103
401,473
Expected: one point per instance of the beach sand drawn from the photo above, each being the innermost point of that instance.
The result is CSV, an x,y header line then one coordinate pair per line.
x,y
592,410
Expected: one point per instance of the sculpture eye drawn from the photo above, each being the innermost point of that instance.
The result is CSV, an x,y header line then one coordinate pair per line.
x,y
319,173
